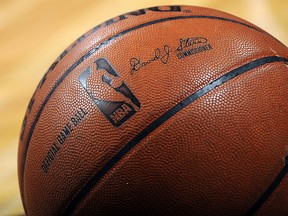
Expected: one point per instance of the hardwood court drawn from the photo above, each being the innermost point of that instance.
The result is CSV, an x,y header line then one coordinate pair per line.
x,y
32,35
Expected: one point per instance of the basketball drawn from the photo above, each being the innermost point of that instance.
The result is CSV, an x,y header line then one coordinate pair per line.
x,y
170,110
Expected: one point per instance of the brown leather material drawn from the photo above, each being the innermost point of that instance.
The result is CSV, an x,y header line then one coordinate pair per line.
x,y
100,138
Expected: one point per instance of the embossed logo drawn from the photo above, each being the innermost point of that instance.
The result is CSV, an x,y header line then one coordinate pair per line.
x,y
117,112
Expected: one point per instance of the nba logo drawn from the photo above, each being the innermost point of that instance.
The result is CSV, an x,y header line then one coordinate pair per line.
x,y
117,112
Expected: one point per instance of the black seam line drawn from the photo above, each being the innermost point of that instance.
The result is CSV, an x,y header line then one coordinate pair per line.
x,y
89,54
269,190
103,43
163,118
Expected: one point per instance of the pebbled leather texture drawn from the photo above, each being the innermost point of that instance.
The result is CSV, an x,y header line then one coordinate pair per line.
x,y
174,110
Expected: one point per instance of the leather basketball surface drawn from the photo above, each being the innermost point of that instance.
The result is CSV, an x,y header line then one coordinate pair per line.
x,y
173,110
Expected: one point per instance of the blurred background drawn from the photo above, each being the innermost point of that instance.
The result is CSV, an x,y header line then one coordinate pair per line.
x,y
34,32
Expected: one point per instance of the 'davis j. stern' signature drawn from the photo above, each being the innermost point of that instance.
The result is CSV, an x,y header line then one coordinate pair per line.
x,y
188,42
158,54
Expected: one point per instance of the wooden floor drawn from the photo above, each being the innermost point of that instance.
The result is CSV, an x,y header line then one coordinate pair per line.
x,y
33,33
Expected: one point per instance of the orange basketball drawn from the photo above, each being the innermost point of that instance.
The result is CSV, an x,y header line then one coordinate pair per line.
x,y
173,110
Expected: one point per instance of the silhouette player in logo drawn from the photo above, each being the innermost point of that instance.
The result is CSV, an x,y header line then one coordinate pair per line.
x,y
117,112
